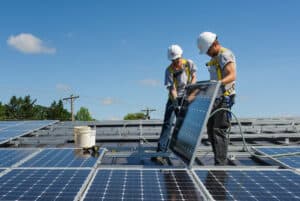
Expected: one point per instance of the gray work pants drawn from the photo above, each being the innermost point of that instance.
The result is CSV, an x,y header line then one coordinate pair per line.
x,y
217,128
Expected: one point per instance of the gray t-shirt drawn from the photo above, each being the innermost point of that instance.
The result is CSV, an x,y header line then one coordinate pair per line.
x,y
223,58
180,76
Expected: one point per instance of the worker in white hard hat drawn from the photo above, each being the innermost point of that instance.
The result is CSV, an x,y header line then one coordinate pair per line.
x,y
178,74
222,67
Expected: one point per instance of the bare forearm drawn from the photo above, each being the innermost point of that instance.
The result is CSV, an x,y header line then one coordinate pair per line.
x,y
231,73
173,93
228,79
194,78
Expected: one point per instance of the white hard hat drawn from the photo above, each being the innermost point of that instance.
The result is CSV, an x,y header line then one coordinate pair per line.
x,y
174,52
205,40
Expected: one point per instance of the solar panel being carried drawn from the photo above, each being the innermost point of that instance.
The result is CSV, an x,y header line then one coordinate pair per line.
x,y
42,184
63,158
251,185
142,184
286,161
10,157
12,129
192,119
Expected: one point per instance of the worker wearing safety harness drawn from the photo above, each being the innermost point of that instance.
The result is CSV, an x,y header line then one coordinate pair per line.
x,y
222,67
177,75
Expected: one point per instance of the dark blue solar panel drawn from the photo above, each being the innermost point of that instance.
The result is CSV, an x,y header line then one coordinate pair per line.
x,y
62,158
251,185
192,120
146,185
13,129
46,184
290,161
9,157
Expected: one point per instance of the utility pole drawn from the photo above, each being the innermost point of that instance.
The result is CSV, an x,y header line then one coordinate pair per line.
x,y
72,99
147,110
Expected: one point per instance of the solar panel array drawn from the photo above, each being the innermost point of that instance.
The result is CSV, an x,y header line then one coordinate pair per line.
x,y
12,129
188,130
251,185
42,184
288,161
48,174
61,158
146,185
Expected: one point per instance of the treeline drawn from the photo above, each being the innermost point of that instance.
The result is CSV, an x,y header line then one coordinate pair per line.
x,y
135,116
26,109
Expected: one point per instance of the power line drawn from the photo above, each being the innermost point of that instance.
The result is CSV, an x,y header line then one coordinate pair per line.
x,y
72,99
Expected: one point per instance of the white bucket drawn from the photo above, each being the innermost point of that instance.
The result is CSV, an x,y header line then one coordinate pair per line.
x,y
84,137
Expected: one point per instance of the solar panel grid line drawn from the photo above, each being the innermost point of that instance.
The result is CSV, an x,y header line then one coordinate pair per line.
x,y
13,157
141,184
63,158
180,192
256,185
159,186
53,168
9,126
35,151
41,184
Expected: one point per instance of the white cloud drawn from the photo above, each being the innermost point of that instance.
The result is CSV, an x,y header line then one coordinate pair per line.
x,y
150,82
29,44
63,87
108,101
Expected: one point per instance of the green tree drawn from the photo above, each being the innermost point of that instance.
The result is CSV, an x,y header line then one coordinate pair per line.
x,y
41,112
135,116
2,112
20,108
57,112
83,115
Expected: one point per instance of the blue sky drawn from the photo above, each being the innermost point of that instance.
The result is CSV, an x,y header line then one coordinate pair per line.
x,y
113,53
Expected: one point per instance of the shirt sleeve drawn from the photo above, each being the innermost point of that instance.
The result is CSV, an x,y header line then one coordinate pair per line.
x,y
225,58
168,79
193,67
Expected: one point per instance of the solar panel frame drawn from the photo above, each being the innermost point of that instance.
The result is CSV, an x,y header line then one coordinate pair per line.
x,y
188,174
186,157
30,163
247,171
277,160
1,171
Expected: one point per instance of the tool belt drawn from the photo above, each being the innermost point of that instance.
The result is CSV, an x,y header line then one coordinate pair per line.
x,y
228,101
